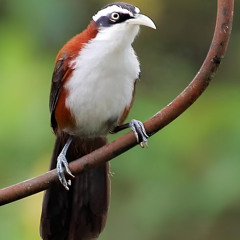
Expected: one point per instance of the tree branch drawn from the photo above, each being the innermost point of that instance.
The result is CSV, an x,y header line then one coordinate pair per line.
x,y
161,119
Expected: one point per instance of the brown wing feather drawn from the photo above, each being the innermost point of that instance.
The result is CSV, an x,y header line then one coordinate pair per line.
x,y
60,71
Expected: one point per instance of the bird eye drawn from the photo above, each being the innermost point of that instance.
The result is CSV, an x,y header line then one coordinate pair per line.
x,y
115,16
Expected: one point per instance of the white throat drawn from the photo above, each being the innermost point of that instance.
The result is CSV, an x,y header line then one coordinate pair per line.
x,y
117,37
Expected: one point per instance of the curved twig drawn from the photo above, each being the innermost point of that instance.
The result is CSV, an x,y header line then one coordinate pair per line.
x,y
161,119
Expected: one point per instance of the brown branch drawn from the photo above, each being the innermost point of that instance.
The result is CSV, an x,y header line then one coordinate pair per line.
x,y
161,119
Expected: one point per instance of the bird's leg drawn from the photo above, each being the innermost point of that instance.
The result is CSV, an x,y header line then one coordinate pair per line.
x,y
137,128
63,164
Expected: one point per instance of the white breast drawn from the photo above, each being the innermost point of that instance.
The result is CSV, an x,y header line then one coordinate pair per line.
x,y
101,86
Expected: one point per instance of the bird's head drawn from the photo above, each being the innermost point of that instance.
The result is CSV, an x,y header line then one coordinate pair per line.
x,y
120,22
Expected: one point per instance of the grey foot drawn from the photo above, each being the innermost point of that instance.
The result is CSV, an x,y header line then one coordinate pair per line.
x,y
139,131
61,165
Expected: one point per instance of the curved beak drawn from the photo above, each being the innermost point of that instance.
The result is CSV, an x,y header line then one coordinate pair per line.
x,y
141,19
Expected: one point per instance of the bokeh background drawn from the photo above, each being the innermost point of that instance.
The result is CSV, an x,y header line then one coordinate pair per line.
x,y
186,184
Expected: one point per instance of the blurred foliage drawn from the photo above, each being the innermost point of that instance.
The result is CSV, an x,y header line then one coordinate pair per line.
x,y
185,185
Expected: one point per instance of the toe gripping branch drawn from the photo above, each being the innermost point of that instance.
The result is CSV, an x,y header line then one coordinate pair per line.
x,y
138,130
62,165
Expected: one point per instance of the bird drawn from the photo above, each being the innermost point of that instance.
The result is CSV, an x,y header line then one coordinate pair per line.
x,y
92,92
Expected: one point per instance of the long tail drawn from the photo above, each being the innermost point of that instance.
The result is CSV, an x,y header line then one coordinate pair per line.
x,y
81,212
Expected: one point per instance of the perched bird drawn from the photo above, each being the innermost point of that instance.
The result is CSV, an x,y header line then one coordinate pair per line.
x,y
92,92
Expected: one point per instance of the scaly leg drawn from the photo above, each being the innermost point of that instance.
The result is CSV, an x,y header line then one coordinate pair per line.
x,y
137,128
63,164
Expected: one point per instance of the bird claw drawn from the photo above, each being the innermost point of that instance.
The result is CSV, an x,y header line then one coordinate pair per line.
x,y
140,132
61,165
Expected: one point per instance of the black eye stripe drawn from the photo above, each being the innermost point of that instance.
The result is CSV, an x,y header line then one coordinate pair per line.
x,y
107,21
122,17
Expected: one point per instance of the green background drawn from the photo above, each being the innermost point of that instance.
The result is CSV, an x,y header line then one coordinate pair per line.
x,y
186,184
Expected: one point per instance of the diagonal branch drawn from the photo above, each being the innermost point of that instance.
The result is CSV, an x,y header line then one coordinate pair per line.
x,y
161,119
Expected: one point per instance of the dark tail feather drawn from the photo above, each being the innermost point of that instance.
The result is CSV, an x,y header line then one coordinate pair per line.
x,y
81,212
